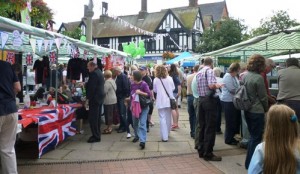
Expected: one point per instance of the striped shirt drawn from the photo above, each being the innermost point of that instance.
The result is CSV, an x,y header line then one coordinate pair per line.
x,y
203,84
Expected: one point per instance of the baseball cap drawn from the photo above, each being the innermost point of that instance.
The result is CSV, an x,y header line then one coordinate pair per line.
x,y
142,68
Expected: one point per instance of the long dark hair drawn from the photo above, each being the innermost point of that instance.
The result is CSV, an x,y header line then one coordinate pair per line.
x,y
173,70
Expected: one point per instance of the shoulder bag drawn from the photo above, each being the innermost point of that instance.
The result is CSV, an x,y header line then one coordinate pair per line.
x,y
173,102
144,100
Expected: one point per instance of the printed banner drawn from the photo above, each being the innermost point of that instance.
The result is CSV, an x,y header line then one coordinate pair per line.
x,y
17,40
118,61
25,17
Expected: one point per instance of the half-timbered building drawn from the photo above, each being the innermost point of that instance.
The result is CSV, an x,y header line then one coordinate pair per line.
x,y
184,26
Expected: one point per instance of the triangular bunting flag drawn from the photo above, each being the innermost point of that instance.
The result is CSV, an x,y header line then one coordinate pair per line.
x,y
65,43
50,44
4,38
39,43
58,42
33,44
46,43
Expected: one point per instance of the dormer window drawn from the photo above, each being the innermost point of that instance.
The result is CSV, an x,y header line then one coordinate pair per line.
x,y
62,29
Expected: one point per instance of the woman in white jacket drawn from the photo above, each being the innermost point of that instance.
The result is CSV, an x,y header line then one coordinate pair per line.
x,y
162,85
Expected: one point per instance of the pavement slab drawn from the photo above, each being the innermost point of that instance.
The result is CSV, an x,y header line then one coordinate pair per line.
x,y
113,153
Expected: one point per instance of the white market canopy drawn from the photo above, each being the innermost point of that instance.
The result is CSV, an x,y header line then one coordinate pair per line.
x,y
7,26
267,45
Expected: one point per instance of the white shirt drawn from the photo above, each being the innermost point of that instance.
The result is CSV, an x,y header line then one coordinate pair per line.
x,y
30,78
162,99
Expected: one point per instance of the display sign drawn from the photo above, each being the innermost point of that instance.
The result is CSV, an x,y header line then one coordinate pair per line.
x,y
228,60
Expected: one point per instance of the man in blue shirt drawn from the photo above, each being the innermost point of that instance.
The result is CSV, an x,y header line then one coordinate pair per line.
x,y
9,87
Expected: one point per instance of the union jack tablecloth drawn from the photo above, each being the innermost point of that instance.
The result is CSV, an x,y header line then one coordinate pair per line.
x,y
54,125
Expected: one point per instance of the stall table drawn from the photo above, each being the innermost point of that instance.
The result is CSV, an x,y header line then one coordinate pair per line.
x,y
54,125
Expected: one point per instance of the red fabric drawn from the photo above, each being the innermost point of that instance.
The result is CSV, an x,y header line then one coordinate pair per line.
x,y
29,116
264,75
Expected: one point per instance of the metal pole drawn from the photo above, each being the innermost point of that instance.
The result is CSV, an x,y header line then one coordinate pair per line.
x,y
56,77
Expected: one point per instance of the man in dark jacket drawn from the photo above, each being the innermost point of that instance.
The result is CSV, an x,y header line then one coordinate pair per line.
x,y
123,91
95,95
9,87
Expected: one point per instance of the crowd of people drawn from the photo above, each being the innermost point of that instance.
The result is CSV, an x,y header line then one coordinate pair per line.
x,y
268,130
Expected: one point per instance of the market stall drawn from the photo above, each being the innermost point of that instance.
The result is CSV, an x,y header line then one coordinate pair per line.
x,y
54,123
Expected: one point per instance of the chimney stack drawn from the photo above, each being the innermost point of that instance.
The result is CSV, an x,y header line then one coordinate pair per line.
x,y
144,6
144,10
104,16
193,3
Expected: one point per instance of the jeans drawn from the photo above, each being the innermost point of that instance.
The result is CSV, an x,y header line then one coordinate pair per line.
x,y
207,123
122,114
245,131
232,121
197,127
139,125
256,123
192,114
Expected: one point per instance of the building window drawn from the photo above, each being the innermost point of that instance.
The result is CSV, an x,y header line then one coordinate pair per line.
x,y
172,41
82,29
103,42
123,40
62,29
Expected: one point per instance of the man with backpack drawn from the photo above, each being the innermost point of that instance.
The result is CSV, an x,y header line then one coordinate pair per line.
x,y
207,84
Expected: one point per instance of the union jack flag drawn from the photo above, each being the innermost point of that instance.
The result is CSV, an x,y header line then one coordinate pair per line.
x,y
11,57
29,59
52,57
54,127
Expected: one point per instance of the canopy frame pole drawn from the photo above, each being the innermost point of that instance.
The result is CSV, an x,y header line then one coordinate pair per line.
x,y
56,79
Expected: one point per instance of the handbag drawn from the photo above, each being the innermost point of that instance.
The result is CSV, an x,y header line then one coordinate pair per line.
x,y
173,102
144,100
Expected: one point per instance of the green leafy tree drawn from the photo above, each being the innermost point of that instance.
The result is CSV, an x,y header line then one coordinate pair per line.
x,y
280,21
75,34
40,13
221,34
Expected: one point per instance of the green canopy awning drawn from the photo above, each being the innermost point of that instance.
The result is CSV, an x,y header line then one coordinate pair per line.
x,y
267,45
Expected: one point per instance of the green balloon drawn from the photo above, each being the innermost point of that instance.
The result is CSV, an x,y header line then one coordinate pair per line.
x,y
83,38
141,44
142,52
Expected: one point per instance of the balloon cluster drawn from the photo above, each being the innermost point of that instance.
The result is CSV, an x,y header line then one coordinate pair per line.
x,y
134,51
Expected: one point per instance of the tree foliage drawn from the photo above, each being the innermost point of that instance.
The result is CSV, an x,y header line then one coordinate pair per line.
x,y
221,34
280,21
40,13
75,34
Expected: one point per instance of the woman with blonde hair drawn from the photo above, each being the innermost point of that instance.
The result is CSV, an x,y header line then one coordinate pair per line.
x,y
279,153
110,100
163,86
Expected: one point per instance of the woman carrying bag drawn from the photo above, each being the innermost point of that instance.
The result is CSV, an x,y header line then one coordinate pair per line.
x,y
163,86
140,88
